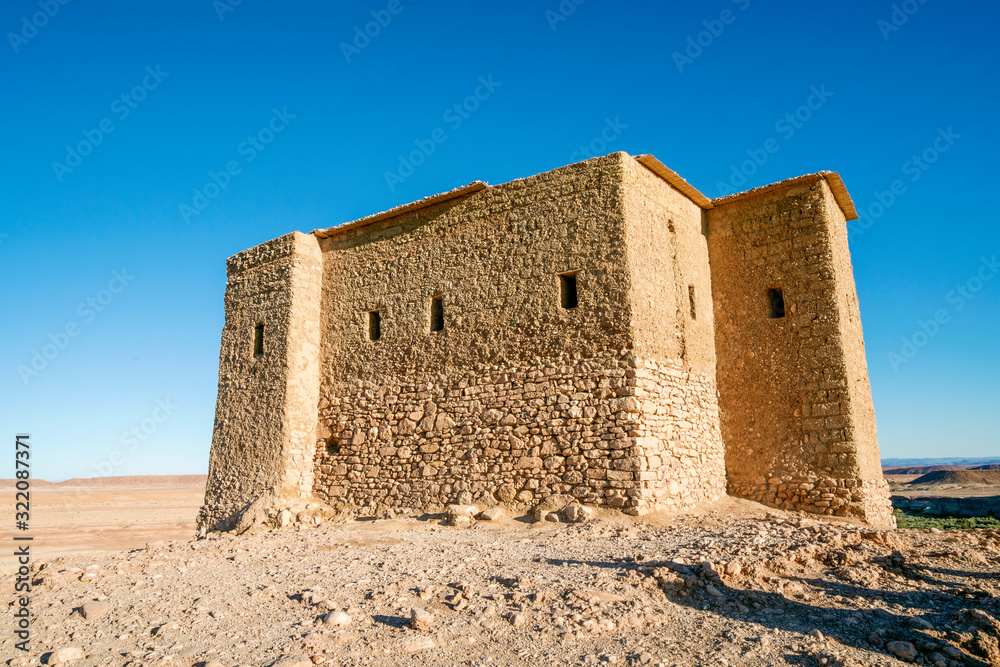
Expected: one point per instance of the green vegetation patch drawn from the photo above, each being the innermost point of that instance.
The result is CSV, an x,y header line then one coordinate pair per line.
x,y
922,522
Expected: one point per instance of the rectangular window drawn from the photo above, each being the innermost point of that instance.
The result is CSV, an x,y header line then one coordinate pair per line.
x,y
437,314
567,290
374,325
775,303
694,313
258,340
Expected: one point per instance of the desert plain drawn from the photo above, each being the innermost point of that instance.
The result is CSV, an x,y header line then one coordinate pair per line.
x,y
119,577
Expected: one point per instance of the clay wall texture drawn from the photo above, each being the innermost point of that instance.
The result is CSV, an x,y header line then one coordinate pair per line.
x,y
664,385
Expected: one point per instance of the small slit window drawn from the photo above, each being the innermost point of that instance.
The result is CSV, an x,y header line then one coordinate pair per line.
x,y
694,311
258,340
374,325
567,290
437,314
775,303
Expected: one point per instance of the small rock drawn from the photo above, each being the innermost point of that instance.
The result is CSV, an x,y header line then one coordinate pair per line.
x,y
936,531
902,650
713,591
292,661
213,663
284,518
517,619
920,623
421,619
416,644
733,568
816,634
461,513
64,655
491,514
337,619
93,610
577,513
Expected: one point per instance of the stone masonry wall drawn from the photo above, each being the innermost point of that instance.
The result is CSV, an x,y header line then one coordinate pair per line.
x,y
517,396
797,425
265,418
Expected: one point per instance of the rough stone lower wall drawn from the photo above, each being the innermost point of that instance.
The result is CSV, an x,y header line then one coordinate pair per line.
x,y
675,343
796,417
265,419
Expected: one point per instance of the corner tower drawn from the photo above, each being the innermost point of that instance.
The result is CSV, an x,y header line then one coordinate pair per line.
x,y
796,408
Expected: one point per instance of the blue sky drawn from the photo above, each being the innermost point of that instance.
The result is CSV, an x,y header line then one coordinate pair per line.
x,y
141,103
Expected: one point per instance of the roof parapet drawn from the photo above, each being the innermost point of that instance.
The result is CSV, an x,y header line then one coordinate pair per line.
x,y
674,179
832,178
472,187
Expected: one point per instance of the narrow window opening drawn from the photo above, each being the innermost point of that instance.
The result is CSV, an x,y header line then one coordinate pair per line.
x,y
437,314
567,290
374,325
258,340
776,303
332,446
694,312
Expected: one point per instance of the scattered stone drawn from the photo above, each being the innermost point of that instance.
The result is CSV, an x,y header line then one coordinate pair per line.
x,y
461,513
577,513
284,518
415,644
292,661
902,650
421,619
920,623
94,610
516,619
491,514
337,619
213,663
65,655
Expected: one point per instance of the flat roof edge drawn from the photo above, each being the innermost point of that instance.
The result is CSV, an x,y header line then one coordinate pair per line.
x,y
674,179
832,179
475,186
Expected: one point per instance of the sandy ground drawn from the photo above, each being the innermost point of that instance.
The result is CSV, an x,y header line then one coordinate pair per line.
x,y
89,518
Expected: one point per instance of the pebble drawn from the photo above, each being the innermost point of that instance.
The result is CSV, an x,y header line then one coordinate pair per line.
x,y
66,654
292,661
416,644
491,514
902,650
338,619
213,663
93,610
421,619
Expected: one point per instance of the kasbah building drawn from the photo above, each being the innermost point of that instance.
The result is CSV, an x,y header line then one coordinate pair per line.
x,y
602,332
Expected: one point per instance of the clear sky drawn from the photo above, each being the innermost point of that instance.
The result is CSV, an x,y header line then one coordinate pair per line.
x,y
122,118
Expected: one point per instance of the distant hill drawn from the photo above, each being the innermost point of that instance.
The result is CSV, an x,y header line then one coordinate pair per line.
x,y
919,470
116,482
988,477
964,462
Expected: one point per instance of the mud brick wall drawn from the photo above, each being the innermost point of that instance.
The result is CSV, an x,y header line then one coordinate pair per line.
x,y
796,412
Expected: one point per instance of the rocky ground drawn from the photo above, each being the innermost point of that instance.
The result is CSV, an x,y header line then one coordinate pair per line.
x,y
734,584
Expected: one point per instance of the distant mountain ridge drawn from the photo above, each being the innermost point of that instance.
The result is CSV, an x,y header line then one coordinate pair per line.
x,y
898,463
123,481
